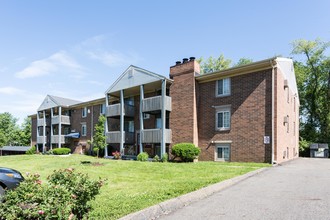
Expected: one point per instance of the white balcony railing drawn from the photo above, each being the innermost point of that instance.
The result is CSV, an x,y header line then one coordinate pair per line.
x,y
114,110
56,138
64,119
115,137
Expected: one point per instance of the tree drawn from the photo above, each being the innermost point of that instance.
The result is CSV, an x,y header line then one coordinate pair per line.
x,y
25,132
313,80
243,61
9,131
99,139
220,63
214,64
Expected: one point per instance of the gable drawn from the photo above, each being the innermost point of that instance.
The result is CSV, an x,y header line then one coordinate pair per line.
x,y
47,103
132,77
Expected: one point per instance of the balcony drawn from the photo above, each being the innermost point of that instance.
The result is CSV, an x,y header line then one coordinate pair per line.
x,y
115,137
65,120
155,135
41,122
40,140
155,103
56,138
114,110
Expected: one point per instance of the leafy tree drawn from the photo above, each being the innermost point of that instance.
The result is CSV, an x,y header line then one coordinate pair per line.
x,y
9,131
214,64
25,132
99,139
243,61
313,80
220,63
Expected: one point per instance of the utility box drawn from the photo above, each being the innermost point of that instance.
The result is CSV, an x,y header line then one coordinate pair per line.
x,y
319,150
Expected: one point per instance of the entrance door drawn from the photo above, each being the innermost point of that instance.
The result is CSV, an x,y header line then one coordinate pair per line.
x,y
222,152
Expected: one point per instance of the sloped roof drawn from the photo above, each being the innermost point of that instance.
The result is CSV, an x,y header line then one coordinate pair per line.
x,y
54,101
134,76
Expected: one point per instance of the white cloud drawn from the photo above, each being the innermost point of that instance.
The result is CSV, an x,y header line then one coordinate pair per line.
x,y
10,90
111,58
49,65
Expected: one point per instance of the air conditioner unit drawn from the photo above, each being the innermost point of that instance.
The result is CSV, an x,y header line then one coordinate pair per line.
x,y
286,84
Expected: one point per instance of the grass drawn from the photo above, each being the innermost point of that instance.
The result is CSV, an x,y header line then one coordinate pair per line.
x,y
132,185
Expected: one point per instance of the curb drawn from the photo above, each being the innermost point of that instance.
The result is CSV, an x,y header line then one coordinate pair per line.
x,y
171,205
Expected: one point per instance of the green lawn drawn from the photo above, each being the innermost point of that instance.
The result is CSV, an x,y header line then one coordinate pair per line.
x,y
132,185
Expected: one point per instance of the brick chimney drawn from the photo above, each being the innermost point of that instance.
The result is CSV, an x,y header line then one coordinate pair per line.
x,y
183,120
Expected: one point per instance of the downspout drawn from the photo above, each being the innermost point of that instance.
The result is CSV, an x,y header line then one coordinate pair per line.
x,y
273,112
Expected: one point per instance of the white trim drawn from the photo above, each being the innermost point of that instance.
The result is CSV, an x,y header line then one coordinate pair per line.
x,y
222,109
222,142
222,145
82,130
217,89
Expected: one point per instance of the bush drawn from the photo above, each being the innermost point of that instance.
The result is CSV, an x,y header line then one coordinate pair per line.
x,y
165,158
61,151
304,149
186,151
32,150
66,196
156,159
143,156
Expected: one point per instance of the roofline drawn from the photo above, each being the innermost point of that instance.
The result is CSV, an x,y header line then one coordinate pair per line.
x,y
239,70
141,69
94,101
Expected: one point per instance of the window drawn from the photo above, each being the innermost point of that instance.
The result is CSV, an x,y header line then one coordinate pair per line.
x,y
158,123
222,118
83,130
222,152
129,126
223,87
102,109
84,112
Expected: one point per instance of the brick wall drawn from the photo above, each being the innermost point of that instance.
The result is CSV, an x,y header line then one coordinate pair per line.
x,y
250,102
183,118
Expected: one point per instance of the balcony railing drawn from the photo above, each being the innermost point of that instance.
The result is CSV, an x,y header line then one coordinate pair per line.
x,y
114,110
40,140
115,137
41,122
56,138
64,119
155,135
156,103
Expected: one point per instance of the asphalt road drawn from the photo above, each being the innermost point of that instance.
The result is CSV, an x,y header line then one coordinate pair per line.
x,y
299,189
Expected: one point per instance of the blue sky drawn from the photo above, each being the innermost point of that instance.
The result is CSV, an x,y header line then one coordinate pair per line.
x,y
77,49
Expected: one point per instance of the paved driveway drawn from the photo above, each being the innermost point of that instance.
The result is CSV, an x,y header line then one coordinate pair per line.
x,y
299,189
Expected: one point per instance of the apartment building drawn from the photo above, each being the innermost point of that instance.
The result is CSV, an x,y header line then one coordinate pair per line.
x,y
62,122
248,113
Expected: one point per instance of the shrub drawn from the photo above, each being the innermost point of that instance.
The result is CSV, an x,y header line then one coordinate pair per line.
x,y
165,158
61,151
186,151
156,159
66,196
304,149
32,150
143,156
116,154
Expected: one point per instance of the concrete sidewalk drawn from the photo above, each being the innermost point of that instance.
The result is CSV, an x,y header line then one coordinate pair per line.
x,y
174,204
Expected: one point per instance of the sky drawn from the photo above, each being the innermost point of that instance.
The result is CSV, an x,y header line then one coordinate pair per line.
x,y
77,49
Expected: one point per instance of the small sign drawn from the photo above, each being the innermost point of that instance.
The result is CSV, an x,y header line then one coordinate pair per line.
x,y
266,140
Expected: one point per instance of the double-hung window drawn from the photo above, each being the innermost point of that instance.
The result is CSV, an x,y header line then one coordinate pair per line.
x,y
84,112
222,152
222,118
223,87
83,130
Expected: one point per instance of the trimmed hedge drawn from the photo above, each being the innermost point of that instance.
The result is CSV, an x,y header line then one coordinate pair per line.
x,y
186,151
61,151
